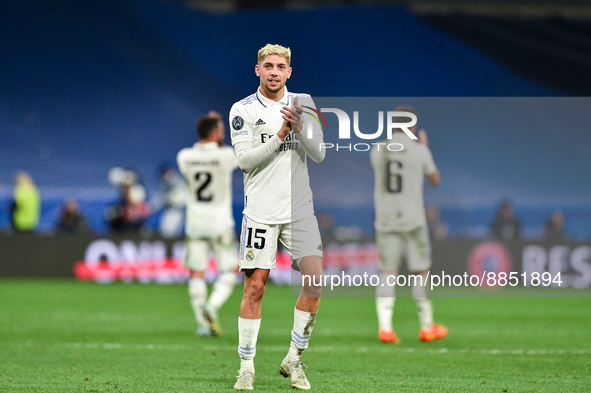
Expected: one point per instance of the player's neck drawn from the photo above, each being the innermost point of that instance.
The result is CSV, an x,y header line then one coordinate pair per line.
x,y
273,96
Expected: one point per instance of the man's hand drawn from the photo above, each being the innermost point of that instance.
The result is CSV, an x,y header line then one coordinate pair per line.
x,y
423,137
285,129
292,118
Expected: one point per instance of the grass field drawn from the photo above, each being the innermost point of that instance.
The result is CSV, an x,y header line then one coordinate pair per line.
x,y
68,336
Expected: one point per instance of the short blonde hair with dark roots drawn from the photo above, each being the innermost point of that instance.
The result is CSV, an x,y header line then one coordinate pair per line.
x,y
272,49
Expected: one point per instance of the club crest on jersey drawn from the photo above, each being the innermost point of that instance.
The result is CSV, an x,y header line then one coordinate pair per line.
x,y
249,255
237,123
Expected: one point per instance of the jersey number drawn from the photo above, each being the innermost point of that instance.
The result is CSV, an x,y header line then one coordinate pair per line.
x,y
203,179
393,177
257,235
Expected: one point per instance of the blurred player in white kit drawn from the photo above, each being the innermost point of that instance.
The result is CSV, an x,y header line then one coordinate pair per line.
x,y
401,224
207,170
271,147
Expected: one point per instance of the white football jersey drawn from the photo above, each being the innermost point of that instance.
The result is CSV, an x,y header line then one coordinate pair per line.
x,y
278,190
207,169
399,177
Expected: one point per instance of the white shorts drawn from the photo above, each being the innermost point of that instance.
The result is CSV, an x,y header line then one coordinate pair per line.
x,y
258,242
198,250
412,246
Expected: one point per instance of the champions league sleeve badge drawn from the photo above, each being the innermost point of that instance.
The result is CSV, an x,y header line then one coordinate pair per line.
x,y
237,123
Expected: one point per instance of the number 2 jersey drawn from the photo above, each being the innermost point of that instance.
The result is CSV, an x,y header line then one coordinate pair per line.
x,y
277,191
399,177
207,169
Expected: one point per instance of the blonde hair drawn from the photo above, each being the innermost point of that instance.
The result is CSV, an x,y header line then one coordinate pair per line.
x,y
271,49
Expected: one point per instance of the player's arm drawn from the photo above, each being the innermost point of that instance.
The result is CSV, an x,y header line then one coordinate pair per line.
x,y
433,178
294,117
180,163
250,157
431,172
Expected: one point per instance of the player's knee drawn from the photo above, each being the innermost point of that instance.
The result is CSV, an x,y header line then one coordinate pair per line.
x,y
255,291
313,288
311,266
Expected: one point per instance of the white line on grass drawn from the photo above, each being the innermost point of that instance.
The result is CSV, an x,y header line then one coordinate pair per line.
x,y
330,348
171,347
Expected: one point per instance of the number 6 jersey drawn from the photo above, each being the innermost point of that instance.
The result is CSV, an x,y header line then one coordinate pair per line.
x,y
207,169
399,177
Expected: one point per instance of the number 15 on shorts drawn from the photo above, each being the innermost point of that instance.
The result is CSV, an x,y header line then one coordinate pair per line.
x,y
257,248
258,241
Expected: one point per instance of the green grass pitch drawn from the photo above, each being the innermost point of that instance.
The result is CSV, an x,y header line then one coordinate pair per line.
x,y
68,336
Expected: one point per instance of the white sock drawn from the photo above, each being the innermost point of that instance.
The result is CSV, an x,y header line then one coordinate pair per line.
x,y
385,298
248,332
385,310
303,323
222,289
198,296
424,309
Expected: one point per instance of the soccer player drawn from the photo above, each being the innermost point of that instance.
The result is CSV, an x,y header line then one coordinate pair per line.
x,y
271,150
207,170
401,230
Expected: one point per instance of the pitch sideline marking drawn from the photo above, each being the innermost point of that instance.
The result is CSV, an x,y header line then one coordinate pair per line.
x,y
325,348
319,348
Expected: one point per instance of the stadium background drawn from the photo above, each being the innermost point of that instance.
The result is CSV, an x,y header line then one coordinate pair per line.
x,y
87,86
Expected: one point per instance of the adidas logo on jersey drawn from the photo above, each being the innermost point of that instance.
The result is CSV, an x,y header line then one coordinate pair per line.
x,y
259,122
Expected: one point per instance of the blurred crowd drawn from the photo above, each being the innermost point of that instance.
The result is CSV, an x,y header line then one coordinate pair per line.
x,y
506,226
129,213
